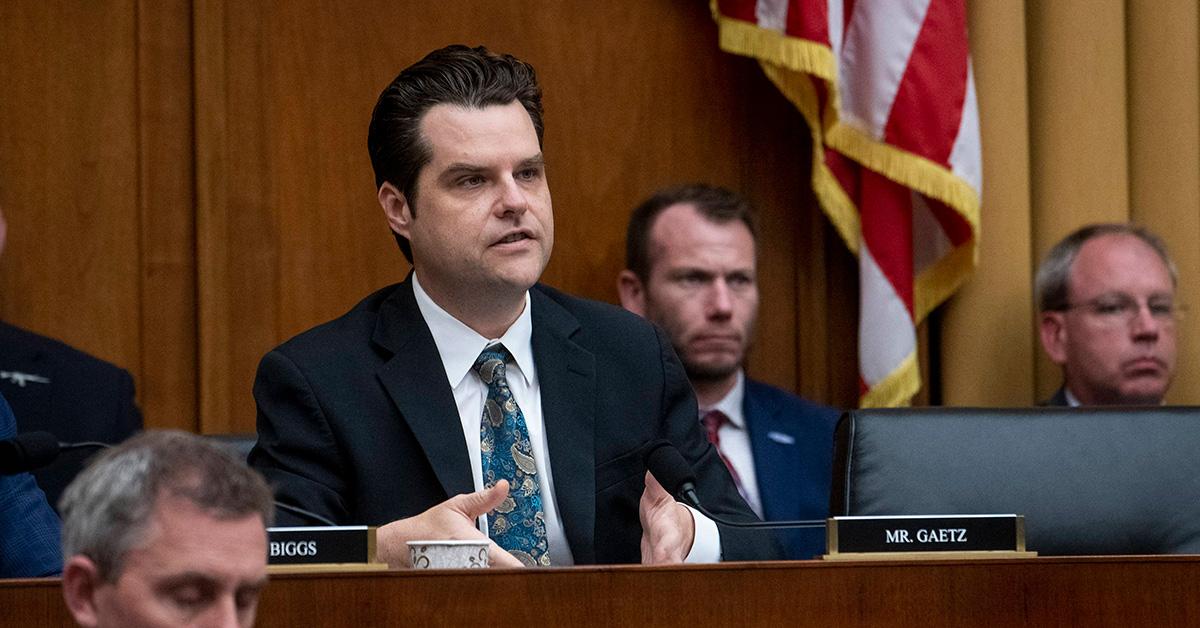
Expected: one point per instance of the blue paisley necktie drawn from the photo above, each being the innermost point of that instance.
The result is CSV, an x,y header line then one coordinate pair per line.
x,y
518,524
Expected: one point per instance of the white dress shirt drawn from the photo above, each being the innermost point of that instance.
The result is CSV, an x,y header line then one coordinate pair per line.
x,y
459,346
735,441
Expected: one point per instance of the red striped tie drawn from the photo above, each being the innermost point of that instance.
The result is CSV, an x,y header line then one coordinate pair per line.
x,y
713,420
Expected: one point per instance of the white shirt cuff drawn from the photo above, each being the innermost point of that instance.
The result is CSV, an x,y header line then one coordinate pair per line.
x,y
706,544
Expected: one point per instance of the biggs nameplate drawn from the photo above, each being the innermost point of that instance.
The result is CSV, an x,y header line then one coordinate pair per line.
x,y
320,545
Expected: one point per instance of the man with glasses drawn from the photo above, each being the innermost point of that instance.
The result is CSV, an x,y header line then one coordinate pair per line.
x,y
1107,316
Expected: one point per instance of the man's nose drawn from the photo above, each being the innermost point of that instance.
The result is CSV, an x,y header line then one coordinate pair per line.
x,y
720,301
223,614
513,198
1145,326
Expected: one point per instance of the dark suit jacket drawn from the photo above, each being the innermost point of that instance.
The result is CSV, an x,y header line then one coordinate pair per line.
x,y
357,422
29,529
86,399
792,443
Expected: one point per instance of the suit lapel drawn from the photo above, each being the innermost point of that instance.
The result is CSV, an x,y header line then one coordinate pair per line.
x,y
567,376
416,382
774,461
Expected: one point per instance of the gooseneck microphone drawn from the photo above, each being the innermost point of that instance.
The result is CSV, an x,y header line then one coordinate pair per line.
x,y
667,466
311,516
33,450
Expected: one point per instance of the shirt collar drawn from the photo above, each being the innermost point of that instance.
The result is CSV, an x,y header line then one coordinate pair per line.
x,y
460,345
731,403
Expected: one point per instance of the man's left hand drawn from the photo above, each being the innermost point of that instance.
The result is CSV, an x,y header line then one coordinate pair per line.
x,y
667,526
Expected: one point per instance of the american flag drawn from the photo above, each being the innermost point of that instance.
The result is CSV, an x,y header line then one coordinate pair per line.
x,y
886,89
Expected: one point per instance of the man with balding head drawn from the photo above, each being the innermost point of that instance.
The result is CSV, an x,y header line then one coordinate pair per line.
x,y
1108,316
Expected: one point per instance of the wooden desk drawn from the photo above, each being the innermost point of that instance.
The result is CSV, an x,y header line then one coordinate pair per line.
x,y
1083,591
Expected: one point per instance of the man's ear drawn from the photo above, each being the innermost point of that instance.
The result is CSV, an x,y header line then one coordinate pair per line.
x,y
80,580
1052,328
396,208
632,292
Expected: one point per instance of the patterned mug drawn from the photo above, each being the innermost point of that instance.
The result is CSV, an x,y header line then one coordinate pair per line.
x,y
448,554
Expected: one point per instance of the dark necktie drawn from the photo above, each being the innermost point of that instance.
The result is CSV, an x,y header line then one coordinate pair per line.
x,y
518,524
712,421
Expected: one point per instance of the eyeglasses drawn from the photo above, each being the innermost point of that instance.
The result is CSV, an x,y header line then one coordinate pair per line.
x,y
1122,309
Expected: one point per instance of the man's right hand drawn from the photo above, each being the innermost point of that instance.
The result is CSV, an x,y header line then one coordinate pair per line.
x,y
453,519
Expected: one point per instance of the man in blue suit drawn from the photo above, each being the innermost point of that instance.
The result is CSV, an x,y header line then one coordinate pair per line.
x,y
29,530
53,387
691,268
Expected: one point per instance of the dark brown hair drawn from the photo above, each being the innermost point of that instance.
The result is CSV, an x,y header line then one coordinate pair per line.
x,y
717,204
454,75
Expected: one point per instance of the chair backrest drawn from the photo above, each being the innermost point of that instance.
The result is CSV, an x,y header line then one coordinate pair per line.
x,y
239,444
1089,481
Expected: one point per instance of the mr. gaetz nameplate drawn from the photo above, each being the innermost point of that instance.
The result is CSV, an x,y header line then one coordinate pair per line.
x,y
329,545
882,537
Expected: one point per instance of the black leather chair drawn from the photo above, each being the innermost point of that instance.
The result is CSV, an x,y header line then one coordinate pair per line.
x,y
1089,481
237,444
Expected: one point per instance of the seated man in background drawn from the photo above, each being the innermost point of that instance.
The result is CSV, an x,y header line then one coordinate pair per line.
x,y
167,529
1107,315
691,267
58,389
29,529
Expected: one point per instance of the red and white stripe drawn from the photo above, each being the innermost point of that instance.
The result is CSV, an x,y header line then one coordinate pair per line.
x,y
892,108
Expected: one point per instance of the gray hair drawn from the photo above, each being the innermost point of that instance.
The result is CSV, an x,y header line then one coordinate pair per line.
x,y
1051,282
108,507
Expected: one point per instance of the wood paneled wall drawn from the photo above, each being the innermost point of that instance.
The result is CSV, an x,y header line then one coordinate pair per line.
x,y
187,183
96,184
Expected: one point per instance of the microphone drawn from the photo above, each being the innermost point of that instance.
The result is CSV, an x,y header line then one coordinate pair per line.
x,y
296,510
667,466
33,450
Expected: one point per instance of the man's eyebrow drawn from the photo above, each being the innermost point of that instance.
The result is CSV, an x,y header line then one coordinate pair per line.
x,y
537,161
256,584
187,578
463,168
690,271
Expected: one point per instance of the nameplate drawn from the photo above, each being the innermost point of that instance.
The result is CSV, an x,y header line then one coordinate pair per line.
x,y
321,545
864,536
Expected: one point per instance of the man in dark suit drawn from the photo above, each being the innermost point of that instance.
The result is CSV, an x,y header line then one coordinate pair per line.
x,y
55,388
29,529
691,267
1107,315
470,392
